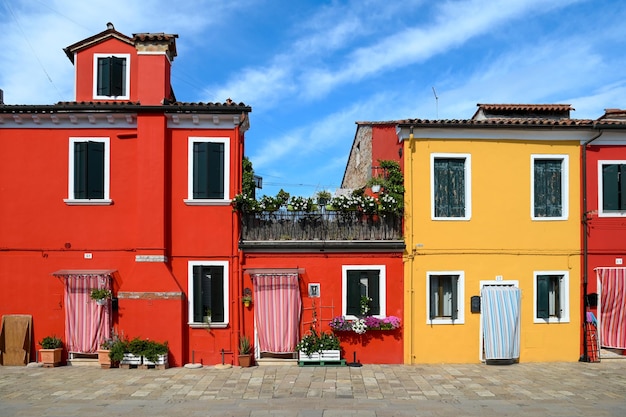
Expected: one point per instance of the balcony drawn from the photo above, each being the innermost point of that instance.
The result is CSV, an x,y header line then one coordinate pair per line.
x,y
325,228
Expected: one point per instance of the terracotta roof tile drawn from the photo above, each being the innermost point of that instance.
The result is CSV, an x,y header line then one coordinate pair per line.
x,y
527,107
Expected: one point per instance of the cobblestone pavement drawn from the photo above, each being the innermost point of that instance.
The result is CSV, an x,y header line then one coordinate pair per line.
x,y
529,389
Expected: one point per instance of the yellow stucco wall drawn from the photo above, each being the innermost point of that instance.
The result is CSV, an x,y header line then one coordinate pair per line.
x,y
499,241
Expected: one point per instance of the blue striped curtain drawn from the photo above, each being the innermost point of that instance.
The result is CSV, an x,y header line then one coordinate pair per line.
x,y
501,321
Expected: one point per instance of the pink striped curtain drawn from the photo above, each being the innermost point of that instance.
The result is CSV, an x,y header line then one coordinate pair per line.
x,y
612,307
277,311
87,324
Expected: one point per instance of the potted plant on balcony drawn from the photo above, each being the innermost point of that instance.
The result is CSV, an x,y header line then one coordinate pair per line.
x,y
51,350
245,351
101,295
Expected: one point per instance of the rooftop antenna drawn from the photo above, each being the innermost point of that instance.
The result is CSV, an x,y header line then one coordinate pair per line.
x,y
436,103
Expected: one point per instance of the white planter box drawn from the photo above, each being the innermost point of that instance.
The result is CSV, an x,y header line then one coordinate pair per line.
x,y
162,360
325,355
131,359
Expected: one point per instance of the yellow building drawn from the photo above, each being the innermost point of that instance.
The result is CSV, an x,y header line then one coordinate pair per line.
x,y
492,229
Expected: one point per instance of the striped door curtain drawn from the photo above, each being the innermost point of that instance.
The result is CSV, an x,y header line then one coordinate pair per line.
x,y
612,307
86,323
500,305
277,311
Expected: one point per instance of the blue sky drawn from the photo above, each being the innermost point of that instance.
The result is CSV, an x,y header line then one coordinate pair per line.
x,y
310,69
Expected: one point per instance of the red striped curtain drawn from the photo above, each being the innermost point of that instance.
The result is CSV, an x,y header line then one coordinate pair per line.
x,y
277,311
612,307
87,324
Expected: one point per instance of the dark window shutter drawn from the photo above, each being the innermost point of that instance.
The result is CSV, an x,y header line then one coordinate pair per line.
x,y
208,170
557,296
80,170
548,193
216,170
95,170
104,77
118,76
217,294
543,296
353,306
449,184
198,311
434,288
373,283
610,187
454,282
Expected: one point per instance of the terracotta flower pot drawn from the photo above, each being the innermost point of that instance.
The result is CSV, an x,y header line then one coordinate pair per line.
x,y
50,357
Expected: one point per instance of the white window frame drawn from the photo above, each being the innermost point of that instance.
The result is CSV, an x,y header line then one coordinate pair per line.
x,y
190,297
208,201
382,288
70,200
460,302
468,184
601,212
563,302
95,77
564,186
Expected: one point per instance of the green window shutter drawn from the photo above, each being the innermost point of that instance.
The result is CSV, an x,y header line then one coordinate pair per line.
x,y
610,187
449,184
434,288
548,184
198,312
118,76
557,296
217,294
104,77
353,284
373,283
80,170
95,170
208,170
454,280
622,187
543,296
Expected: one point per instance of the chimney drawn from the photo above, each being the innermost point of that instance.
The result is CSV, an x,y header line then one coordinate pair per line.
x,y
1,96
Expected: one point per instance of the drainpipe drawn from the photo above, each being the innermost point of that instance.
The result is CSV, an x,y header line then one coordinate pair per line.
x,y
585,357
412,255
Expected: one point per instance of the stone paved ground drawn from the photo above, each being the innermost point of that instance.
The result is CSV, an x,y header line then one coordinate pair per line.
x,y
554,389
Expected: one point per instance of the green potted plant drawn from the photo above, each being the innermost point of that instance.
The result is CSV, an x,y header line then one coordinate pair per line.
x,y
245,351
104,353
134,352
318,347
155,353
101,295
117,350
51,350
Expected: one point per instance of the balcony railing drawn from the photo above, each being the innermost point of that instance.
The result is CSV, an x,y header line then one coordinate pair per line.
x,y
327,225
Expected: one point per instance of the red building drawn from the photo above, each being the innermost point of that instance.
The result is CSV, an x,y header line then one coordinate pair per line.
x,y
128,189
604,232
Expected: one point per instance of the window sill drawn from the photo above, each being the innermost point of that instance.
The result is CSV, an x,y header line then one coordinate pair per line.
x,y
544,219
562,320
206,202
444,321
85,202
207,326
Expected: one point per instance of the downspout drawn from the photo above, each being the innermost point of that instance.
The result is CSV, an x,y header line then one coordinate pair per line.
x,y
585,356
412,254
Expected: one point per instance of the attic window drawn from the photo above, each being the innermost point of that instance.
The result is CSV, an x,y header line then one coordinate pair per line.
x,y
111,76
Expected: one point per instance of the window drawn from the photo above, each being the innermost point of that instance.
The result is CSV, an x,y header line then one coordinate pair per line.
x,y
450,186
111,76
612,188
445,297
88,171
549,198
208,173
208,290
364,281
551,297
